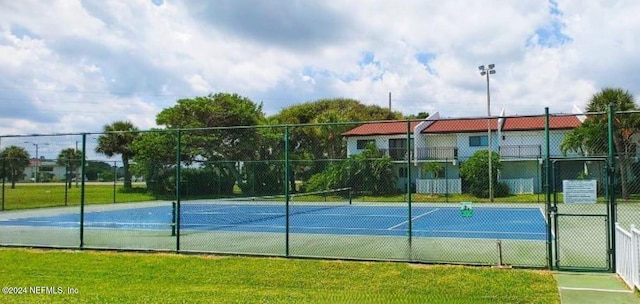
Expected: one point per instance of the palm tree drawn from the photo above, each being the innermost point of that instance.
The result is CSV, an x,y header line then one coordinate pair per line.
x,y
330,132
71,159
14,160
117,139
625,126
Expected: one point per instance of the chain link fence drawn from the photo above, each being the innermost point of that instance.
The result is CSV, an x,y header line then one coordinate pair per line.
x,y
534,191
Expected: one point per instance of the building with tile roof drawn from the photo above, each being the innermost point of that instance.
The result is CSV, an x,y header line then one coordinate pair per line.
x,y
519,140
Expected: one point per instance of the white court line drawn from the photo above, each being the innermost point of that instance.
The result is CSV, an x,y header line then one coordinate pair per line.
x,y
544,217
232,213
413,219
314,214
195,225
350,215
480,232
595,289
89,223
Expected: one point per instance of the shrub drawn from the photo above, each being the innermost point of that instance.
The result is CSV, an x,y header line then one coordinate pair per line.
x,y
475,170
369,172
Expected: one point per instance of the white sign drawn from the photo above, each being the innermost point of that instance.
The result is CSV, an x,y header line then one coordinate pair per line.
x,y
579,191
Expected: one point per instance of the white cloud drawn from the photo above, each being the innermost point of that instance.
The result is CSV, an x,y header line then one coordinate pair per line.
x,y
74,66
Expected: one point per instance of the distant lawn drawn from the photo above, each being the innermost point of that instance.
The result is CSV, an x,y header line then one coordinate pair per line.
x,y
101,277
27,196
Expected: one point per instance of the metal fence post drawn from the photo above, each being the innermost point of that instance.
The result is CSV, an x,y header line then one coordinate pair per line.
x,y
611,185
286,187
178,182
409,222
83,165
547,188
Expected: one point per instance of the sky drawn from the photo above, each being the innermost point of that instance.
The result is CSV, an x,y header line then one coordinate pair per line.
x,y
75,66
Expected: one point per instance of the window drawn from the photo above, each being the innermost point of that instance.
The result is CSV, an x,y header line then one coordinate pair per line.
x,y
478,141
398,148
363,143
400,143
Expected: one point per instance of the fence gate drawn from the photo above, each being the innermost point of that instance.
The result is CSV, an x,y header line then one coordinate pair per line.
x,y
580,224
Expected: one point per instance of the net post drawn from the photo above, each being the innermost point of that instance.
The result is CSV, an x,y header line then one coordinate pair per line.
x,y
350,196
173,218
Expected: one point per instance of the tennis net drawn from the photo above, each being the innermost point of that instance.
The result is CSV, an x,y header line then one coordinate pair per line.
x,y
266,210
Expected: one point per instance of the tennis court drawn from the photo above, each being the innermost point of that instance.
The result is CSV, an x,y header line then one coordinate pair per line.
x,y
307,218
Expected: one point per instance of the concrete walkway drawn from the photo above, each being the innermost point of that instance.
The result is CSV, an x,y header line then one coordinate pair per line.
x,y
593,288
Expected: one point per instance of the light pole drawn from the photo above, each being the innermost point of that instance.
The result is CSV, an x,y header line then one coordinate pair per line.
x,y
486,71
37,162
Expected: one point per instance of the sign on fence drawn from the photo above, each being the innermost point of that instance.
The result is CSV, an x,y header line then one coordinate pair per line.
x,y
579,191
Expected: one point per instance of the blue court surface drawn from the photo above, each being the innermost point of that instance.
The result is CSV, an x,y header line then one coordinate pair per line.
x,y
485,223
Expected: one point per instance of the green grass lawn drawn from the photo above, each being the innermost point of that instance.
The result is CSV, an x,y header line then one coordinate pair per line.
x,y
107,277
27,196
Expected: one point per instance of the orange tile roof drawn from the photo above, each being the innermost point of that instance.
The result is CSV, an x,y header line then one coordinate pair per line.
x,y
537,123
460,125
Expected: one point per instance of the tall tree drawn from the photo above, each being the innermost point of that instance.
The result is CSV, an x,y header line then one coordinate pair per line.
x,y
591,136
71,159
14,160
155,159
420,115
329,132
625,126
322,140
221,137
117,139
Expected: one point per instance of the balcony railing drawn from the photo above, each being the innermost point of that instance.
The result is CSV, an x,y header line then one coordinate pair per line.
x,y
443,153
396,153
440,153
521,151
450,153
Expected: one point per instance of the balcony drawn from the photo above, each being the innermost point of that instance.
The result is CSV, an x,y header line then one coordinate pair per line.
x,y
445,153
396,153
521,151
440,153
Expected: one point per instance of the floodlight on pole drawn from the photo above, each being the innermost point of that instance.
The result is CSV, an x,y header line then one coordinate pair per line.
x,y
37,162
490,69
